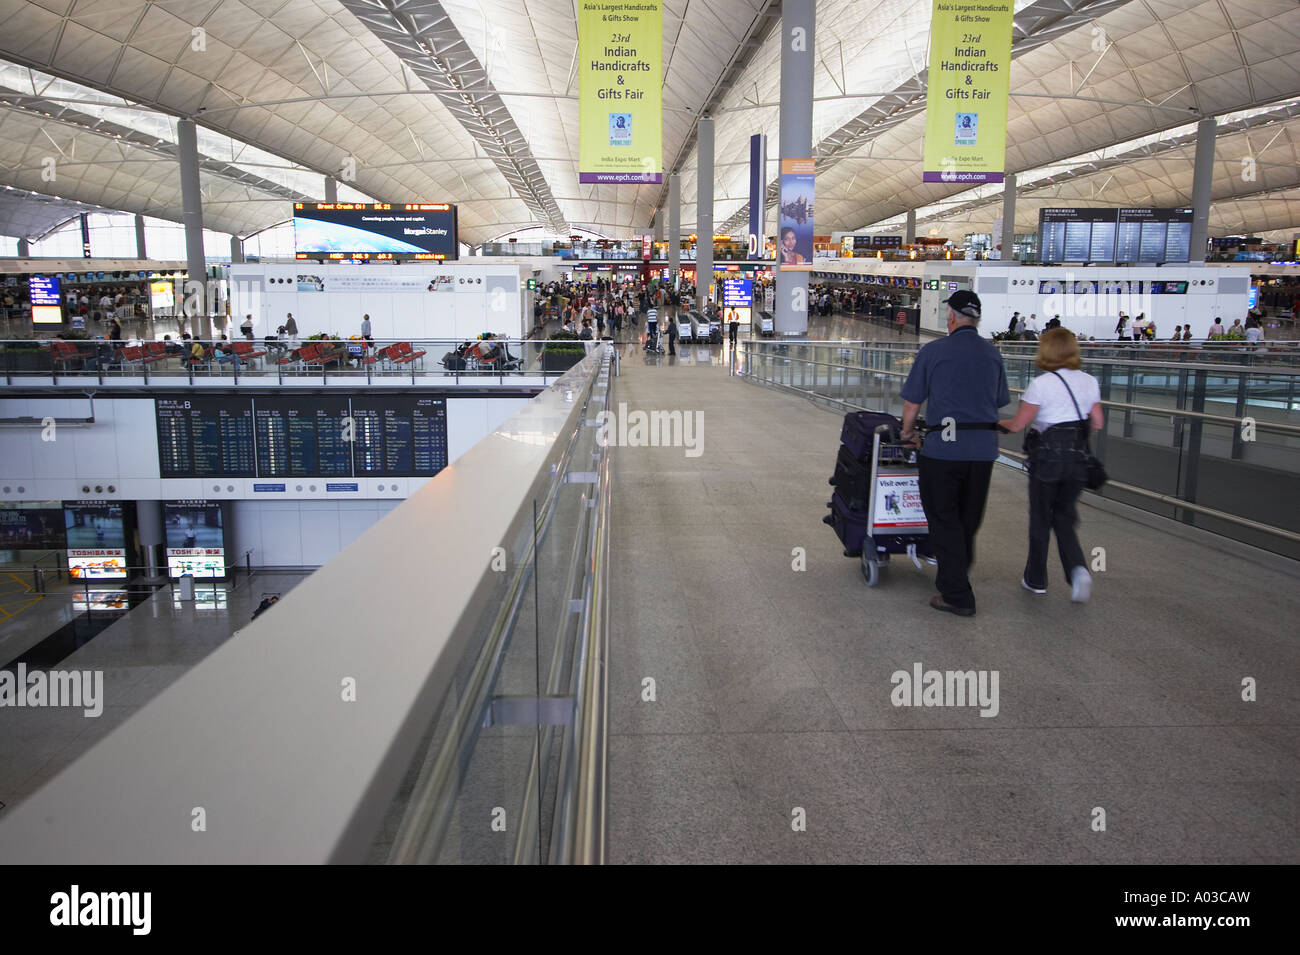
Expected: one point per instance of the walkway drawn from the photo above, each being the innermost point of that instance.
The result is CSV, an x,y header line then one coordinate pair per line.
x,y
772,685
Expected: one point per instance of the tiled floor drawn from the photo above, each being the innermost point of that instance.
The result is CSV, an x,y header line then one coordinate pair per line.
x,y
773,684
141,654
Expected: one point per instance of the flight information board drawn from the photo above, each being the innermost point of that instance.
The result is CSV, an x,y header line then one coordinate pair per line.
x,y
1114,235
302,436
297,438
399,436
205,436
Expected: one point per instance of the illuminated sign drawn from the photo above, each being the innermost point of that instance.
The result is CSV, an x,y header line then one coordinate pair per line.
x,y
196,543
96,538
162,295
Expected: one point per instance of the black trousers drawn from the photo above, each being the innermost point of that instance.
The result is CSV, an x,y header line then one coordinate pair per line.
x,y
1051,508
953,494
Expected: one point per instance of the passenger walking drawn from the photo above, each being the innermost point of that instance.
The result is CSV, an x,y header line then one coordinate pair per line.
x,y
247,327
1064,406
960,380
365,328
733,329
672,335
290,325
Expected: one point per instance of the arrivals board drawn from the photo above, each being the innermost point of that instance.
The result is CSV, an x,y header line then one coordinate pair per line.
x,y
399,436
205,436
302,436
297,437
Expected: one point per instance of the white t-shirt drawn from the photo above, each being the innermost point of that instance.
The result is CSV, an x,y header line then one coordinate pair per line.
x,y
1254,333
1054,404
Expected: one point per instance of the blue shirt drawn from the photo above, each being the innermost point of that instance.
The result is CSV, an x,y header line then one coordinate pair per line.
x,y
961,377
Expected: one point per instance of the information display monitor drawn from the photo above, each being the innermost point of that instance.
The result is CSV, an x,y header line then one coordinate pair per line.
x,y
47,305
96,535
205,436
737,301
196,540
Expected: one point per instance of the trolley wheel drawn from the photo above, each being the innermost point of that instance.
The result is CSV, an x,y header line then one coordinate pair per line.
x,y
870,569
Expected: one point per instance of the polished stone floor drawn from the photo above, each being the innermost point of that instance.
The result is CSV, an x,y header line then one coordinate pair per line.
x,y
772,683
140,653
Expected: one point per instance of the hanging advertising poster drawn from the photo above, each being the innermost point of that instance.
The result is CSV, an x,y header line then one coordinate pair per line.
x,y
969,83
794,240
620,91
757,194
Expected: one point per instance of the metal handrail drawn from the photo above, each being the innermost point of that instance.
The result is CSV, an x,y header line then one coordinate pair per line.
x,y
1272,426
1117,485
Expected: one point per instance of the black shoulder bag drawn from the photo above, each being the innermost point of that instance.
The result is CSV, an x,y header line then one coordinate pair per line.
x,y
1096,470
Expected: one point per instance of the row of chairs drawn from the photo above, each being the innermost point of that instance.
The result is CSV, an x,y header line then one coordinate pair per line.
x,y
72,355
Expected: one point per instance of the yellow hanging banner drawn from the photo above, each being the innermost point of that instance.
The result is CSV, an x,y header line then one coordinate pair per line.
x,y
969,85
620,90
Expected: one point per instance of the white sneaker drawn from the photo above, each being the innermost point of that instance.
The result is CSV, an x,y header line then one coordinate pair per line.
x,y
1081,585
1032,590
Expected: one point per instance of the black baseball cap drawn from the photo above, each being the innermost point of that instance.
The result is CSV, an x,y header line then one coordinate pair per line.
x,y
964,303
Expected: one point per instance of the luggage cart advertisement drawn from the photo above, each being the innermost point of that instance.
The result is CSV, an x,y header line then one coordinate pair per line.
x,y
898,502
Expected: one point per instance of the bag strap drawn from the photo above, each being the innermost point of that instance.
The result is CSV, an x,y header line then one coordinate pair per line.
x,y
1070,391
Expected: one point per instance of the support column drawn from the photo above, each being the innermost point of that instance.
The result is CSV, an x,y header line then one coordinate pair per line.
x,y
192,215
141,251
331,189
909,229
659,226
704,212
674,225
1207,130
24,249
149,528
791,317
236,250
1008,217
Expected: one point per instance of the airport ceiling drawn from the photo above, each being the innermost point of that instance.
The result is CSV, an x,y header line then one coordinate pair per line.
x,y
474,102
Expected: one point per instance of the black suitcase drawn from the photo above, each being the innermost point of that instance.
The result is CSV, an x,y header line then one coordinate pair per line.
x,y
852,479
858,428
849,524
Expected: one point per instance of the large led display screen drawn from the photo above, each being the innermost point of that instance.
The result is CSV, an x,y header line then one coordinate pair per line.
x,y
379,230
196,542
291,436
96,535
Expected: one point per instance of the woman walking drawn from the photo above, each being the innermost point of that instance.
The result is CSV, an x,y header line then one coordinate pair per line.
x,y
1064,406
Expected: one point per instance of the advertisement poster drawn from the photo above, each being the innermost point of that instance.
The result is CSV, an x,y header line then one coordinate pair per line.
x,y
96,534
794,240
162,295
620,90
31,525
375,229
969,83
196,543
898,502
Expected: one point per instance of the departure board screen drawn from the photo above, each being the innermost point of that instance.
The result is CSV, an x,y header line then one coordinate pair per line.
x,y
205,436
1115,235
302,436
399,436
297,437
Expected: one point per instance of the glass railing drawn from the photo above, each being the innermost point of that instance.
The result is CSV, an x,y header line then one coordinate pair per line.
x,y
469,627
1214,445
259,363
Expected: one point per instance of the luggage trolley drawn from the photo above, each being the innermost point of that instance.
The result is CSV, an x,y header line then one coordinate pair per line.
x,y
876,508
896,522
